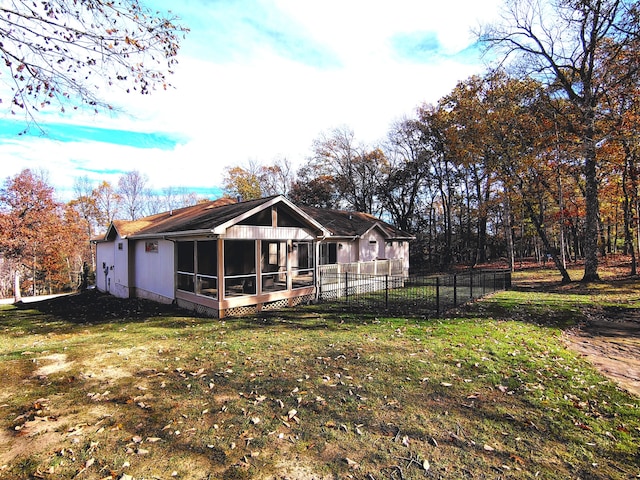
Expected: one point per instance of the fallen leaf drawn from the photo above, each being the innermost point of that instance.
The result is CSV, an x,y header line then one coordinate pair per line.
x,y
352,464
488,448
426,465
583,426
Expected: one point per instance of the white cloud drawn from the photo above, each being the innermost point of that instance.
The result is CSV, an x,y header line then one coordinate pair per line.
x,y
262,102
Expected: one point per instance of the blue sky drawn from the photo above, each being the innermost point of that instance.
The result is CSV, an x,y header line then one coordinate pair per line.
x,y
259,80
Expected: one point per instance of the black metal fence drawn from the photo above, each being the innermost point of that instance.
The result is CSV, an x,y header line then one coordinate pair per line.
x,y
414,295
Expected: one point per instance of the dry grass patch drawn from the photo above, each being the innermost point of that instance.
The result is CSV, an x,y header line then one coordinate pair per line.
x,y
304,394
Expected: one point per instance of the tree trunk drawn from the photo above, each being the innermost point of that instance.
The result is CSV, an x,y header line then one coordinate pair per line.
x,y
629,200
509,233
17,296
545,241
592,210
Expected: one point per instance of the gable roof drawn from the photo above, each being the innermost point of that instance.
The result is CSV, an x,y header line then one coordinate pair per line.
x,y
342,223
217,215
207,217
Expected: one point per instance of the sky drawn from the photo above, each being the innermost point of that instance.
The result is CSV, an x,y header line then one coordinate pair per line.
x,y
259,80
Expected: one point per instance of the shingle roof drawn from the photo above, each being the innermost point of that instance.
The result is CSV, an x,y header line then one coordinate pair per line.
x,y
342,223
206,215
209,215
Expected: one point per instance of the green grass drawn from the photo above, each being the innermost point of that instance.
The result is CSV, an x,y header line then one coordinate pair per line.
x,y
490,391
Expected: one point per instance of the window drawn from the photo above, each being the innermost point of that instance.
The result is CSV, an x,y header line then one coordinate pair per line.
x,y
328,253
303,274
151,247
239,267
119,245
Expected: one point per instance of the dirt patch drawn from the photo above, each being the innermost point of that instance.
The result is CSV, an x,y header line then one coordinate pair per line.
x,y
612,345
53,364
610,340
609,337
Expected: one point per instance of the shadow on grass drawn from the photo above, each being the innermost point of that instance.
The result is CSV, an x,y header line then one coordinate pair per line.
x,y
543,302
75,312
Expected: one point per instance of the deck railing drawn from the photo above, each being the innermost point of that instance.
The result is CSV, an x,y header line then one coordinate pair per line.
x,y
375,267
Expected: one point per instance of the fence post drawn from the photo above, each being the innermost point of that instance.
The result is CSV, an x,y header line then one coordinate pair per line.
x,y
437,296
346,286
386,292
455,290
471,285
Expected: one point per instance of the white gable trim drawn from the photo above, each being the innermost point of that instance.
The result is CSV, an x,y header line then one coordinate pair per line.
x,y
221,229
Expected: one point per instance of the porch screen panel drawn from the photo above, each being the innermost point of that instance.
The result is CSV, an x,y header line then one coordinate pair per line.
x,y
274,265
239,267
303,271
186,266
207,275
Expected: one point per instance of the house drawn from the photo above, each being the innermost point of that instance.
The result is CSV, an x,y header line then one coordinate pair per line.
x,y
226,258
361,243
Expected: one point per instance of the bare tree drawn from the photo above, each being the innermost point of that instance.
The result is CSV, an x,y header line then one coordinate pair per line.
x,y
561,42
179,197
63,51
276,178
132,190
406,173
354,168
108,203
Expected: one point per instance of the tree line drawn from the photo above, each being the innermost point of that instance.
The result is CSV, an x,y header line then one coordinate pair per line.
x,y
45,243
536,157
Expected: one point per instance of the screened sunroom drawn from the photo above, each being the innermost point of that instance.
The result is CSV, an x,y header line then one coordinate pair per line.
x,y
266,260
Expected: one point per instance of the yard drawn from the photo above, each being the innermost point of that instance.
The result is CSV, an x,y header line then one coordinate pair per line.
x,y
95,387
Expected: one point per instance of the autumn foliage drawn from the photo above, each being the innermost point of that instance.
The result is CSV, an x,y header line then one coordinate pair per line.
x,y
42,241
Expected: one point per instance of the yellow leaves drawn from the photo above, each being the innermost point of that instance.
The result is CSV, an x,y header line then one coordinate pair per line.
x,y
132,41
